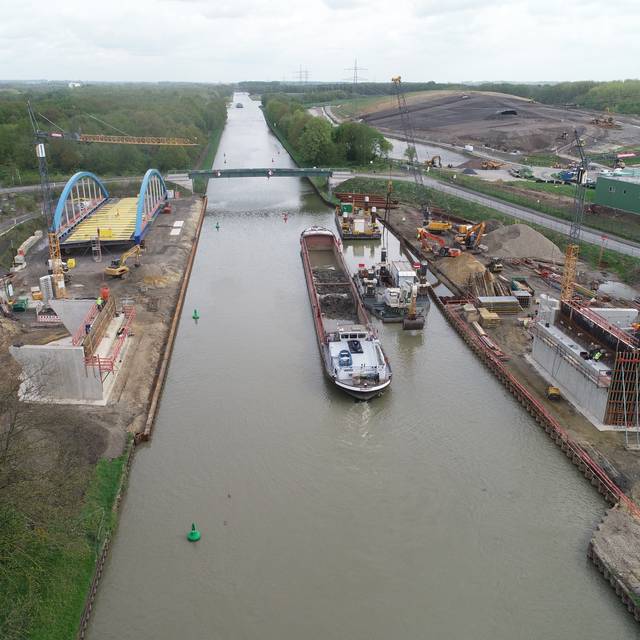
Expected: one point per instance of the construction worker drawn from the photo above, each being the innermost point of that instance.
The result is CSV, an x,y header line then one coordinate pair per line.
x,y
99,303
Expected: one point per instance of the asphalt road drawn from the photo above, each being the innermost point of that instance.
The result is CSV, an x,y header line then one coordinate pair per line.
x,y
12,221
522,213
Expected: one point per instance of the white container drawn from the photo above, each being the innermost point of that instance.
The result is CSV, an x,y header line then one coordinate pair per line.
x,y
468,147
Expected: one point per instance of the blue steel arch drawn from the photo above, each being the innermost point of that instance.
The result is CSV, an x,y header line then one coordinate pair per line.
x,y
141,198
73,180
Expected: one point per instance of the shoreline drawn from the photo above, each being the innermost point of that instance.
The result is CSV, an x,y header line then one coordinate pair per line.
x,y
136,437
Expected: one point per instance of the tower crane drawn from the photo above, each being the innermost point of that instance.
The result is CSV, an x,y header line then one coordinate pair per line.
x,y
573,248
40,136
414,164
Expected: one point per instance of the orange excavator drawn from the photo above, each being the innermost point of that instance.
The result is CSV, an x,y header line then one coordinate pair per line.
x,y
471,238
442,250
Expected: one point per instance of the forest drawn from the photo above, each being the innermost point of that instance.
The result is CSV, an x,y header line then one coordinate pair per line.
x,y
316,142
180,110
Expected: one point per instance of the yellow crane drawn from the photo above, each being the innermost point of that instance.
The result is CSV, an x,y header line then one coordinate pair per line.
x,y
118,268
573,248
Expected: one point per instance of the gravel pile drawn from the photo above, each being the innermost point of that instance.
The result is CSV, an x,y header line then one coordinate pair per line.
x,y
521,241
459,269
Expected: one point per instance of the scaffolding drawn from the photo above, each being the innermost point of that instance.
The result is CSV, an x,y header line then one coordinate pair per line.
x,y
622,402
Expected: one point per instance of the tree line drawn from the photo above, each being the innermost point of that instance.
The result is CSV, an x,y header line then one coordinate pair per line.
x,y
621,96
189,111
316,142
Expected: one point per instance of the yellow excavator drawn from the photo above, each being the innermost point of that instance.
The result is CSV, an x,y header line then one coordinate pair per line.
x,y
471,239
118,268
435,162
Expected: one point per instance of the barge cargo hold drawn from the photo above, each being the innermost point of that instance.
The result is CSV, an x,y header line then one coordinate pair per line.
x,y
352,356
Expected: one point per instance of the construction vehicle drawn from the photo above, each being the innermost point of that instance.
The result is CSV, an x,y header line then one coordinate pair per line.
x,y
435,162
40,137
495,265
491,164
573,248
471,238
438,226
118,268
410,138
553,393
442,249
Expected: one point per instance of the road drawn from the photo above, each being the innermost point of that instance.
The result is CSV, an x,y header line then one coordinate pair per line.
x,y
10,223
59,185
614,243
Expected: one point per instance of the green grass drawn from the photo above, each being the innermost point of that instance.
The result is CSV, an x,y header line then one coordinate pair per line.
x,y
206,160
626,267
542,159
44,584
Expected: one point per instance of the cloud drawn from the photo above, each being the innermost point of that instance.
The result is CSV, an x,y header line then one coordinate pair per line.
x,y
226,40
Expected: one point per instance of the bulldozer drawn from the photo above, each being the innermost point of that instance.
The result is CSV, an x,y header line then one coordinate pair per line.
x,y
491,164
435,162
118,268
438,226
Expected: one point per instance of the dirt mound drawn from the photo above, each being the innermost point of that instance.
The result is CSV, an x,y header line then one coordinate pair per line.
x,y
491,225
521,241
459,269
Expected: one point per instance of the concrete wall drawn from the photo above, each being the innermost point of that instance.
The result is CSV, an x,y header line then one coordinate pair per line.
x,y
584,392
57,371
71,312
619,317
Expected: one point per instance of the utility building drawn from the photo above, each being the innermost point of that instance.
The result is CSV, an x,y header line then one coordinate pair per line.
x,y
618,192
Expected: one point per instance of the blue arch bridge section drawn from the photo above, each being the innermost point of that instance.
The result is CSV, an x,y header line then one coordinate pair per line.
x,y
145,214
85,193
99,194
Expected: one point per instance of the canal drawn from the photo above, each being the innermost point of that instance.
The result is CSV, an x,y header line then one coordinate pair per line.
x,y
437,511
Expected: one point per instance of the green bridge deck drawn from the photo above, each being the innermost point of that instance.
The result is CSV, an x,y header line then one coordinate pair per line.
x,y
268,172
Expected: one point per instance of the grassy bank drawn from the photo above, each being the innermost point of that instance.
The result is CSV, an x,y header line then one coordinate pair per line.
x,y
623,225
320,184
207,158
626,267
47,567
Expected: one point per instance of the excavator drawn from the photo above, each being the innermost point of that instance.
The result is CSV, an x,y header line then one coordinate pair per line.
x,y
471,238
448,252
118,268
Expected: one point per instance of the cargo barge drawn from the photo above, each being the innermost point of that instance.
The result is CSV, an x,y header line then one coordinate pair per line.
x,y
352,356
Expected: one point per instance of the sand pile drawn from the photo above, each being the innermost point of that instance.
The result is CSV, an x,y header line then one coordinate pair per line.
x,y
521,241
459,269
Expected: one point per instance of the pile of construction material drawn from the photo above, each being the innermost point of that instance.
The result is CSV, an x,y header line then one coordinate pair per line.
x,y
460,269
521,241
500,304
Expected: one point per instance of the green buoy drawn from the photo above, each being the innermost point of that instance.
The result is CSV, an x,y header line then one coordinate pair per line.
x,y
194,534
196,315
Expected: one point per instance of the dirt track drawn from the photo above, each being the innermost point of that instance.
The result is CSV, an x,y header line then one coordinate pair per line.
x,y
486,119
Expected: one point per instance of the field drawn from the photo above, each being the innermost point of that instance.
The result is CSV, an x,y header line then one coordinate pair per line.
x,y
498,121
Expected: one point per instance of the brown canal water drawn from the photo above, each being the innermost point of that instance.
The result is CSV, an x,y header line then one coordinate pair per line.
x,y
437,511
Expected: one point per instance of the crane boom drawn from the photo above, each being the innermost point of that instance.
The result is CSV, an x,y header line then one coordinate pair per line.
x,y
414,164
105,139
573,248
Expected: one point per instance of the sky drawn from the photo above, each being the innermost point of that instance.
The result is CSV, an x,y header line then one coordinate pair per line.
x,y
234,40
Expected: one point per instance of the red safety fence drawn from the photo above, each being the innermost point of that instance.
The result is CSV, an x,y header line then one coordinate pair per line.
x,y
80,333
108,363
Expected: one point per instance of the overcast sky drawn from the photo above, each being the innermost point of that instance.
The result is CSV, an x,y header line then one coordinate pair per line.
x,y
231,40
